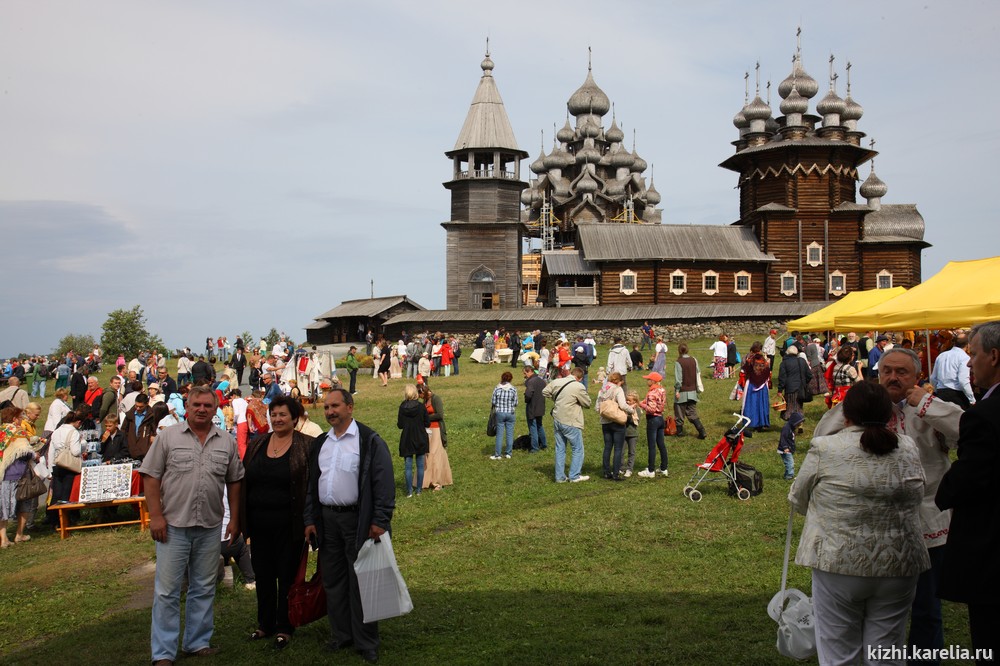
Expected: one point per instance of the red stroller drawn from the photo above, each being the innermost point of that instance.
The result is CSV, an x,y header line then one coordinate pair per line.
x,y
722,459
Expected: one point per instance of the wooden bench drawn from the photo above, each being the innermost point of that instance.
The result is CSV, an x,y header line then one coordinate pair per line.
x,y
65,527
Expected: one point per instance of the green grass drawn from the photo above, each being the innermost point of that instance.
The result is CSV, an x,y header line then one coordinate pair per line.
x,y
505,566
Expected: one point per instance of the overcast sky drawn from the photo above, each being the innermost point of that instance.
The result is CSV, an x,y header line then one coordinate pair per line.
x,y
236,165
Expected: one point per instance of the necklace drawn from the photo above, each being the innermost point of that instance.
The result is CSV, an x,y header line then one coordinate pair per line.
x,y
277,447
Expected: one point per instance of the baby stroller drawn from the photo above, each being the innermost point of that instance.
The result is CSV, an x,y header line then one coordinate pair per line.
x,y
722,459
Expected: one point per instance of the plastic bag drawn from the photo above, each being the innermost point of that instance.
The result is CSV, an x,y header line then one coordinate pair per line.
x,y
796,626
383,591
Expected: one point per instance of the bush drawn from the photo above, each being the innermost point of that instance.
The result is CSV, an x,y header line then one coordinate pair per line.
x,y
364,361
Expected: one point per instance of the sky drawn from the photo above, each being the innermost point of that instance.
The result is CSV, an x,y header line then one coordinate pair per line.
x,y
235,165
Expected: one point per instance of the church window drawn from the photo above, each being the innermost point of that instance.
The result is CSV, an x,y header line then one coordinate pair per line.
x,y
742,283
709,282
788,283
814,254
678,282
883,279
627,282
838,283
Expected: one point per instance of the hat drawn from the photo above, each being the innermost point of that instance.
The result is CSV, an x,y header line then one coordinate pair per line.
x,y
154,385
881,338
793,350
654,376
773,331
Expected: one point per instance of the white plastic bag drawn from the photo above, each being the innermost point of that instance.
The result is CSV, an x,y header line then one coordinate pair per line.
x,y
796,626
383,592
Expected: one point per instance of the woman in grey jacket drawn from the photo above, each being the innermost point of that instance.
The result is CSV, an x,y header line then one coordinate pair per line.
x,y
860,490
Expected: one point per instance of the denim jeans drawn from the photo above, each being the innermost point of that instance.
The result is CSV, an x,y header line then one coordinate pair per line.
x,y
505,429
654,440
537,432
408,473
614,439
194,550
567,433
38,389
789,461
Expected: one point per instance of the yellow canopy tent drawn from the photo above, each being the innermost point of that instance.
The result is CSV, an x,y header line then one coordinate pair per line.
x,y
963,293
855,301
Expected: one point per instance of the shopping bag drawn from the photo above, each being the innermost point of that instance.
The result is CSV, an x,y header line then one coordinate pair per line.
x,y
491,423
306,598
792,609
383,591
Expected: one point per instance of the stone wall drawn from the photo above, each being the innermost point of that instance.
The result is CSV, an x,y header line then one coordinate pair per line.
x,y
745,331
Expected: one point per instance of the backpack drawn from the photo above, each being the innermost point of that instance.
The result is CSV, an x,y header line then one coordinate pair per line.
x,y
748,477
43,371
456,348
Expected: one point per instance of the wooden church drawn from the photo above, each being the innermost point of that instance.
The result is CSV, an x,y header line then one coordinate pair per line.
x,y
801,234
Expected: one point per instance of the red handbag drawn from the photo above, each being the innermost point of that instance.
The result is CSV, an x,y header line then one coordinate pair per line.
x,y
306,598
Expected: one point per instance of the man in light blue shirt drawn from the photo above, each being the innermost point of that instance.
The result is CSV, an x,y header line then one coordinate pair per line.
x,y
950,377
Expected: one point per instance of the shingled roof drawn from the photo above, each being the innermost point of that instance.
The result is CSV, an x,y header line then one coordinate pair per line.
x,y
893,223
568,263
487,124
631,242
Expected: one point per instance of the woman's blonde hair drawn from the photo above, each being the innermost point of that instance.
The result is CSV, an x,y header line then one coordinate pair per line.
x,y
410,392
615,377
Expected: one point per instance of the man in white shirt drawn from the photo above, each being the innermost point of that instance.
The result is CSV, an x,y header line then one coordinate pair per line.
x,y
350,498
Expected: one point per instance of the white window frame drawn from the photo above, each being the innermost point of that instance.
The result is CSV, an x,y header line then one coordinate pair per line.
x,y
624,275
704,287
878,279
681,274
736,283
795,283
819,250
843,278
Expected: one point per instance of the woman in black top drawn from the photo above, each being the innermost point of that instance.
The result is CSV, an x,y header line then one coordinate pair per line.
x,y
274,491
413,441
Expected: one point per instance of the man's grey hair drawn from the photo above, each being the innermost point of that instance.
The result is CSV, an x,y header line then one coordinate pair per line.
x,y
909,353
988,334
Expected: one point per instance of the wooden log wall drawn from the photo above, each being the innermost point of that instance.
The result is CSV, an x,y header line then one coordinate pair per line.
x,y
653,280
485,200
903,261
498,248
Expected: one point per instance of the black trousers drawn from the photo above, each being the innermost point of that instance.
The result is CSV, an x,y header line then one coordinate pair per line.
x,y
275,559
951,395
61,485
343,598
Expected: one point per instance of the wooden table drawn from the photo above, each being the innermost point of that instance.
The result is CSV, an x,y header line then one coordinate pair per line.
x,y
65,528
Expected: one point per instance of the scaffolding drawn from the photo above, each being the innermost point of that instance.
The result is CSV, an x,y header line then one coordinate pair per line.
x,y
628,213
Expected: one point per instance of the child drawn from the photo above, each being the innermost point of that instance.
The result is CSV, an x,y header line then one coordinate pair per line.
x,y
786,443
631,429
602,377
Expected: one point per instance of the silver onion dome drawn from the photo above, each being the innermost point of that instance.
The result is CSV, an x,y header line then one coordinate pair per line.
x,y
566,134
589,98
794,103
873,187
831,104
798,80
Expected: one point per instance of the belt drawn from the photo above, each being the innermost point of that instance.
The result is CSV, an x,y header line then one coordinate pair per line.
x,y
336,508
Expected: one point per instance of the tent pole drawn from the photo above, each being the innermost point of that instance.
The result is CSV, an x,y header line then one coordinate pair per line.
x,y
927,337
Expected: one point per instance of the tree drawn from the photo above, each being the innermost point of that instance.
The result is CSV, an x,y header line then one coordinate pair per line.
x,y
125,333
272,338
80,343
248,340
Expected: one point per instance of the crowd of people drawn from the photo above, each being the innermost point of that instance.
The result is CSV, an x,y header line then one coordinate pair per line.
x,y
876,544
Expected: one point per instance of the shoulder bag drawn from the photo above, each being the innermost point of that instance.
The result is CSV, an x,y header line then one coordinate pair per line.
x,y
609,409
30,486
68,461
806,391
